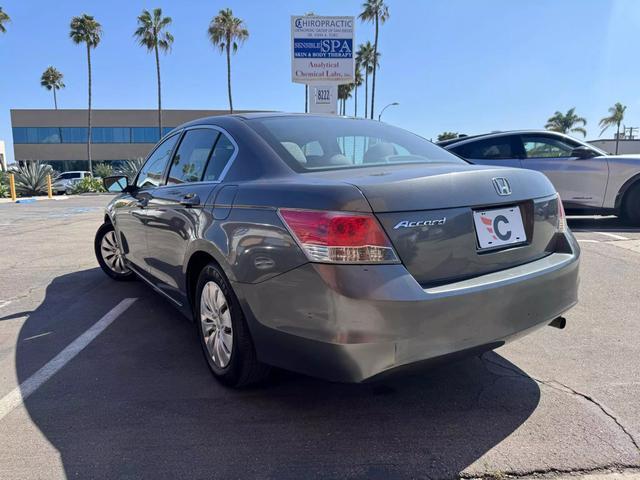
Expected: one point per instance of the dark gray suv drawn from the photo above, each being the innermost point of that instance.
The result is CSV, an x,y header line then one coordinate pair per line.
x,y
336,247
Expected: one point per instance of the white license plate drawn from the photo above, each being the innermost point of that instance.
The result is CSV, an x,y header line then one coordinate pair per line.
x,y
502,226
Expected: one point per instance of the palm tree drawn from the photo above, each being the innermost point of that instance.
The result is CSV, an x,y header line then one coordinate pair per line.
x,y
565,123
4,18
151,33
344,92
615,118
52,80
357,83
225,32
364,57
377,12
85,29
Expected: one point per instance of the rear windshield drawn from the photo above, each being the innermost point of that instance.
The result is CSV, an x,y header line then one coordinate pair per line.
x,y
321,143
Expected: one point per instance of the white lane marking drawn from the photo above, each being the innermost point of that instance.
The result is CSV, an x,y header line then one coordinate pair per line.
x,y
16,396
37,336
4,303
613,235
585,240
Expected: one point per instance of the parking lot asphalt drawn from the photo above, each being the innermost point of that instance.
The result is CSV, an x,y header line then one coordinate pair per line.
x,y
128,394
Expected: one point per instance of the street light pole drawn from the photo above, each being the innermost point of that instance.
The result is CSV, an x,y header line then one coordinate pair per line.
x,y
387,106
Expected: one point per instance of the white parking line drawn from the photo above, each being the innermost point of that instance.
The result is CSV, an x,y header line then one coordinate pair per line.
x,y
16,396
613,235
586,240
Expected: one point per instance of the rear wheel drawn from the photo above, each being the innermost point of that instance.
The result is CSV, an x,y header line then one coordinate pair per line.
x,y
631,205
110,255
224,336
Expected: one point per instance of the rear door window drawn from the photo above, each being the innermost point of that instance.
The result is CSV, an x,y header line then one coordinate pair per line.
x,y
222,154
191,158
498,148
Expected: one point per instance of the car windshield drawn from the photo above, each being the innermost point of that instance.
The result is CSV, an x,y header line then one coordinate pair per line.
x,y
309,143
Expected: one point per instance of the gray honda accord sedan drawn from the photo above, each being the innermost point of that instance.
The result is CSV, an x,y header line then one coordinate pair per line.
x,y
341,248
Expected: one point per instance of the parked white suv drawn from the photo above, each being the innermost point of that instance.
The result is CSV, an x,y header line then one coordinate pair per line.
x,y
589,180
67,180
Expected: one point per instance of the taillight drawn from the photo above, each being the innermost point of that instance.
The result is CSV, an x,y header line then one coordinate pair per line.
x,y
562,218
339,237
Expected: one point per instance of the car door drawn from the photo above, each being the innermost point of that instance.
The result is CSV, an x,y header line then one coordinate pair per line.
x,y
581,182
177,211
500,150
130,216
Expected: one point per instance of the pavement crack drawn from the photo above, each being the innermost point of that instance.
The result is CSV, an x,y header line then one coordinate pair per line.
x,y
553,472
561,387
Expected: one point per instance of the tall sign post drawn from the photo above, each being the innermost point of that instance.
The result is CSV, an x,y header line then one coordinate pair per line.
x,y
322,57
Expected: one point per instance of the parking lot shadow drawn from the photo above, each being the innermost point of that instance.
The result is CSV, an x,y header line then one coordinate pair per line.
x,y
139,402
600,224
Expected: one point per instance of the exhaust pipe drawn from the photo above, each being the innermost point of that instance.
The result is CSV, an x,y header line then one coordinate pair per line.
x,y
559,322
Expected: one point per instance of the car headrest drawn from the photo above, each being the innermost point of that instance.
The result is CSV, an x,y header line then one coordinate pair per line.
x,y
378,153
295,151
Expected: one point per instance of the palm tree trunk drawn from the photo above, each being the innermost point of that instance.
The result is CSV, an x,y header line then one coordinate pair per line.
x,y
366,94
375,64
306,98
89,111
617,138
229,75
355,102
55,100
159,94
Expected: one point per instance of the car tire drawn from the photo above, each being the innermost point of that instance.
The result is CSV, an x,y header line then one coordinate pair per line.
x,y
223,332
631,205
109,254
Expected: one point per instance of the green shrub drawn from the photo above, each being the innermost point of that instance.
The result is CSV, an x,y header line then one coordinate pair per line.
x,y
130,168
31,178
88,185
102,170
4,184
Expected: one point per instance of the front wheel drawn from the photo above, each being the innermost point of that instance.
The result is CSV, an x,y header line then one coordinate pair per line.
x,y
110,255
223,332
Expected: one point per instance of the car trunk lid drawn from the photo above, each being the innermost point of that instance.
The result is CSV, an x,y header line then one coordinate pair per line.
x,y
428,214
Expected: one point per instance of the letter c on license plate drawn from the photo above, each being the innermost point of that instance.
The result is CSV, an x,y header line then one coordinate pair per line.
x,y
498,227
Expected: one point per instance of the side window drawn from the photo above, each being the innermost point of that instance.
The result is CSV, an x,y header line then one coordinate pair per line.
x,y
191,157
546,147
489,149
220,156
153,169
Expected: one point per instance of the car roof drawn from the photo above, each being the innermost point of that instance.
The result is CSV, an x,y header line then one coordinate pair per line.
x,y
446,143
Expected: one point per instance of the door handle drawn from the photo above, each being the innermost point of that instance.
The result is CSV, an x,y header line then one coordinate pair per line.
x,y
190,200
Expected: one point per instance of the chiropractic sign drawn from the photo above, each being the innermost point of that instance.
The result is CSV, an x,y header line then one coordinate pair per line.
x,y
322,49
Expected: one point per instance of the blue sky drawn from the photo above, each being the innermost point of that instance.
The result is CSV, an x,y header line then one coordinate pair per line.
x,y
463,65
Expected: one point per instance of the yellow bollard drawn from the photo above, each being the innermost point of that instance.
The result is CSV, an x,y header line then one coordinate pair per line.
x,y
49,191
12,187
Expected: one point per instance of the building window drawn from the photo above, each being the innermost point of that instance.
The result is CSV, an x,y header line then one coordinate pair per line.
x,y
111,135
144,135
45,135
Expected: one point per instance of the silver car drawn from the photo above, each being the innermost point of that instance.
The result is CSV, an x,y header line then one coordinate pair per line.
x,y
67,180
589,180
340,248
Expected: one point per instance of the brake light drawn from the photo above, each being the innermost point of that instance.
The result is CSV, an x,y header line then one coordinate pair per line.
x,y
562,218
339,237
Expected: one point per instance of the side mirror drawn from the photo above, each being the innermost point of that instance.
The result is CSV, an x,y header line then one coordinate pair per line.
x,y
583,152
116,183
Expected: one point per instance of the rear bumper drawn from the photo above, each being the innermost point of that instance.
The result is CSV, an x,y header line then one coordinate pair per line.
x,y
350,323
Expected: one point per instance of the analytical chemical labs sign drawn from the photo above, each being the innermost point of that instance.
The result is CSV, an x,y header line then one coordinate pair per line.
x,y
322,49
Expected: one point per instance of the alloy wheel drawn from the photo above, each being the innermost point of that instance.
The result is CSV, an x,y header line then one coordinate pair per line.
x,y
215,321
112,254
